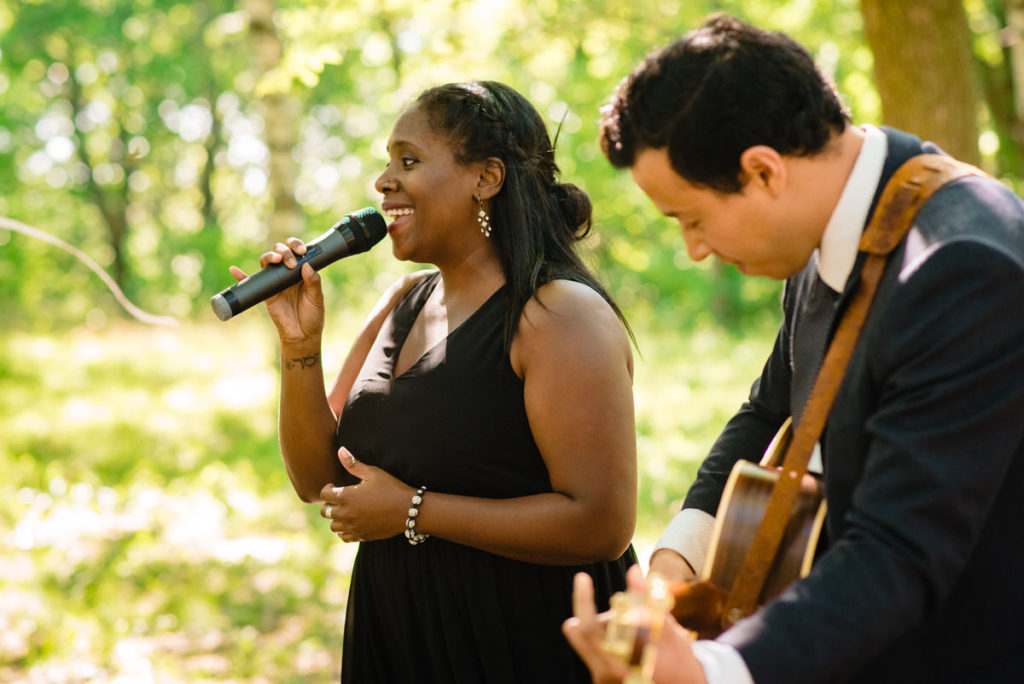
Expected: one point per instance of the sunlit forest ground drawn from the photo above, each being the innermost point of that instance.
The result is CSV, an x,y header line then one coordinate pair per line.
x,y
148,532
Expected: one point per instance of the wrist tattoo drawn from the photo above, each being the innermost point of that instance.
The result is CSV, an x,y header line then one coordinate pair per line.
x,y
302,362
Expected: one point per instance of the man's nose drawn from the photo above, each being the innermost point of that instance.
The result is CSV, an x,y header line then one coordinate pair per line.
x,y
695,246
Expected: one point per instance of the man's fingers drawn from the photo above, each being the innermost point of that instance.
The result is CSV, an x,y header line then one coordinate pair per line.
x,y
585,632
583,606
635,579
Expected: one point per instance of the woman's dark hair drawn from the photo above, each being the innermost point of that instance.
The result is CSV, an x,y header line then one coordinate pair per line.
x,y
715,92
536,219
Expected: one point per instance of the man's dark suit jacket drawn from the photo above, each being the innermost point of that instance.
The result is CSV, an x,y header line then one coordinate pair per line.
x,y
921,576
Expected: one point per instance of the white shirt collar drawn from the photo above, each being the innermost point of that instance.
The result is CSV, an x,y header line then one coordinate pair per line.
x,y
841,239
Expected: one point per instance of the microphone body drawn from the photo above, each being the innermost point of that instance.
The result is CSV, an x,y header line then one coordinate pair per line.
x,y
354,234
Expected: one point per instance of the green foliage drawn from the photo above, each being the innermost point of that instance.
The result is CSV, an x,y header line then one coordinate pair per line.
x,y
147,526
687,385
134,130
146,523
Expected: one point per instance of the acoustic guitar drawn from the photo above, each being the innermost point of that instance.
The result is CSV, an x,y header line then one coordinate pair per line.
x,y
743,505
698,604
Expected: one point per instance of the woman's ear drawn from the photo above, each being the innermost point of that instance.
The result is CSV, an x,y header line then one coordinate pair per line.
x,y
492,177
763,167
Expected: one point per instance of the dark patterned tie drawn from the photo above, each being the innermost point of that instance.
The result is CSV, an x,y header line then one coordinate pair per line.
x,y
810,337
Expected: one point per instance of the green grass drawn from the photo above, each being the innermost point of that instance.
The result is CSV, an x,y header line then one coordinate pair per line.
x,y
147,528
687,386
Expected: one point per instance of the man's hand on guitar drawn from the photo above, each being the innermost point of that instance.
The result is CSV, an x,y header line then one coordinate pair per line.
x,y
585,631
675,662
670,565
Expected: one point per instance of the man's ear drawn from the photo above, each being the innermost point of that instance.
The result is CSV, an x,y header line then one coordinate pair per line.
x,y
492,177
763,167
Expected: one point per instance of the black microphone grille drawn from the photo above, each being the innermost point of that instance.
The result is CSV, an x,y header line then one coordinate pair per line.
x,y
373,225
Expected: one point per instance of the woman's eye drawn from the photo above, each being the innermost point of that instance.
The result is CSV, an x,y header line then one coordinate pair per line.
x,y
407,162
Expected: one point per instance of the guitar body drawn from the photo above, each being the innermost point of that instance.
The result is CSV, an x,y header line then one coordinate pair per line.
x,y
741,510
698,604
743,506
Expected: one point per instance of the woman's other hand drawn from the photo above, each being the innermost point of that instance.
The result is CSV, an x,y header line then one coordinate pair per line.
x,y
376,508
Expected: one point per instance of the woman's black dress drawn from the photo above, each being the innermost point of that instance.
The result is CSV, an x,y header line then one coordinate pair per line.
x,y
443,612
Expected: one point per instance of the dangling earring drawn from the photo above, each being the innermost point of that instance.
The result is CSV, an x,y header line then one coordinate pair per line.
x,y
483,219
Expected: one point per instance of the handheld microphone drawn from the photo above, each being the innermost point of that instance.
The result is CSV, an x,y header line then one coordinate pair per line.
x,y
354,234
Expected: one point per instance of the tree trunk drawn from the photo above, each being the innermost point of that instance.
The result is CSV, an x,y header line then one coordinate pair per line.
x,y
924,71
113,204
1003,85
279,120
1015,48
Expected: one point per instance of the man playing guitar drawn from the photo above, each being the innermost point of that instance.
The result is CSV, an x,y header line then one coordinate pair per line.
x,y
734,133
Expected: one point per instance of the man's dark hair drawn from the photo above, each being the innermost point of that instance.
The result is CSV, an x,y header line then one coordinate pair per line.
x,y
715,92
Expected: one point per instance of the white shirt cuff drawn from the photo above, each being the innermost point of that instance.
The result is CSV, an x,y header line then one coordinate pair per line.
x,y
689,534
722,664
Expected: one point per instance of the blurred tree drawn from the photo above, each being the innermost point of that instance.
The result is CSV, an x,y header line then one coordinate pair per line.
x,y
280,113
925,71
153,135
998,32
113,115
1014,42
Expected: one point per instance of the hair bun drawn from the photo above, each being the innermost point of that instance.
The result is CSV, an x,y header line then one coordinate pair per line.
x,y
576,208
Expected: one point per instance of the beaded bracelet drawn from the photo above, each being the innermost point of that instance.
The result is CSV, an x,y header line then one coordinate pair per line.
x,y
410,522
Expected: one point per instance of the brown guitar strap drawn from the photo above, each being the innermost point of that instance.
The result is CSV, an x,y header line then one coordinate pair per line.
x,y
904,194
